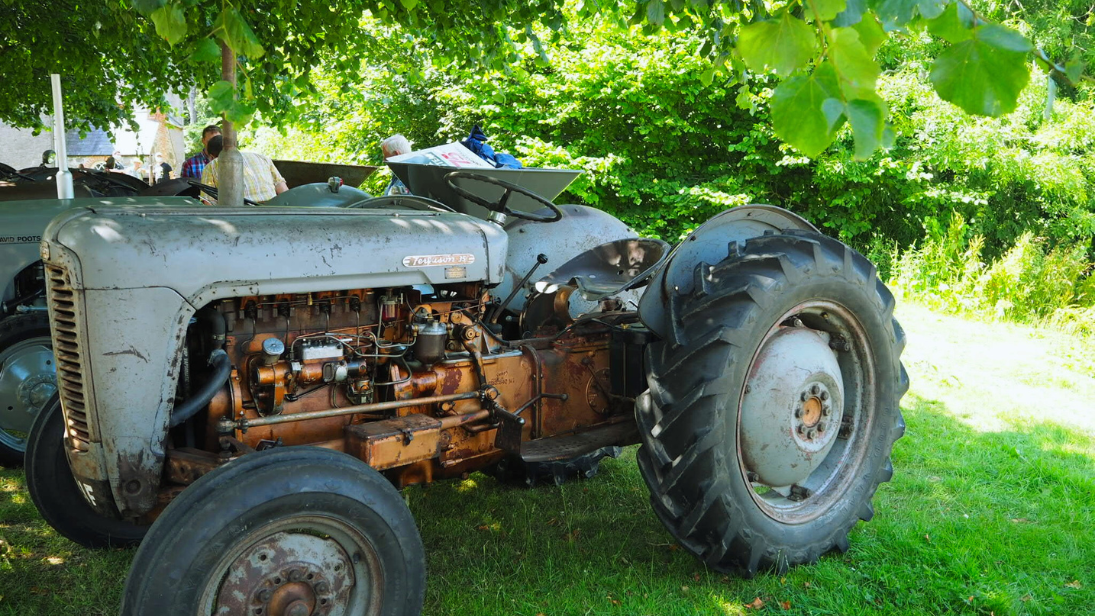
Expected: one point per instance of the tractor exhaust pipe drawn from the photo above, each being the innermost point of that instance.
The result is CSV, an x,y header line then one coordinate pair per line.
x,y
64,176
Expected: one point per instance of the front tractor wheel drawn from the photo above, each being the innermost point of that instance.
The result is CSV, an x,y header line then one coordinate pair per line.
x,y
55,493
773,403
285,532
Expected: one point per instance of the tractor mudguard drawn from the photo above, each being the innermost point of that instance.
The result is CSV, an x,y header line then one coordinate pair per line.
x,y
709,243
581,228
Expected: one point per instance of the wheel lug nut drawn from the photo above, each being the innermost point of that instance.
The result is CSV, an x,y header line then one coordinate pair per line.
x,y
811,434
826,411
803,396
798,412
824,396
263,595
801,429
295,575
814,389
821,427
321,587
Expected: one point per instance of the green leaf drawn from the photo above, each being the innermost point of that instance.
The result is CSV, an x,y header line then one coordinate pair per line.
x,y
985,74
147,7
867,119
170,23
799,110
851,15
744,99
655,12
896,13
222,95
207,50
784,45
240,113
950,26
871,33
829,9
858,72
707,76
409,4
1074,69
889,136
234,31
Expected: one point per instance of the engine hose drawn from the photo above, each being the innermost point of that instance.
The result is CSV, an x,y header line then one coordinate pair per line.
x,y
222,367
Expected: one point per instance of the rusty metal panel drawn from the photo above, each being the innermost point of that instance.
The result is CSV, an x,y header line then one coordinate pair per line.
x,y
395,442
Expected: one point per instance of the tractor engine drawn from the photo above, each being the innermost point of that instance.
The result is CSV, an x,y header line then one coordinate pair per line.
x,y
412,382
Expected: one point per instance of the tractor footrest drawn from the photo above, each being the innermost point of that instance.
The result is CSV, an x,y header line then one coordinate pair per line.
x,y
574,445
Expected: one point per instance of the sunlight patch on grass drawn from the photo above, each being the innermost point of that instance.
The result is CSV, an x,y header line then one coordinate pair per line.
x,y
466,485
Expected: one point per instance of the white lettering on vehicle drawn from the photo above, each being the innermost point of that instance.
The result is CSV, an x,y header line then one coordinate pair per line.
x,y
438,260
89,493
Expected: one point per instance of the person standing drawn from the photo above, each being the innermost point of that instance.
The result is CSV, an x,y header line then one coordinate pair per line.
x,y
193,166
395,146
137,171
161,169
261,179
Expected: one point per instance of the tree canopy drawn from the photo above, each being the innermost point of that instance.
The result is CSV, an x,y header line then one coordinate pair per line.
x,y
822,50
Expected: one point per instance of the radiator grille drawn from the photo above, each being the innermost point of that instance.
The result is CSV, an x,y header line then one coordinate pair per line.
x,y
69,356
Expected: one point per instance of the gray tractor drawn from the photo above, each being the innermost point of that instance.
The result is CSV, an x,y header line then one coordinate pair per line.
x,y
28,202
243,391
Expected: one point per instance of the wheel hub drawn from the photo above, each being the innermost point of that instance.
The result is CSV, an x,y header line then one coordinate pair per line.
x,y
288,574
792,408
27,381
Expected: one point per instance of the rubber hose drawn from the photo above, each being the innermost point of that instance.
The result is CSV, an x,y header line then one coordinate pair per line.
x,y
222,367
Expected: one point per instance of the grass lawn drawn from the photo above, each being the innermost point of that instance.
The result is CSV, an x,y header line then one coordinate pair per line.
x,y
991,511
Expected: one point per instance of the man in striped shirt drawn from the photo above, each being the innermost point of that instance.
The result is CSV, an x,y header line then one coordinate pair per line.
x,y
261,179
193,166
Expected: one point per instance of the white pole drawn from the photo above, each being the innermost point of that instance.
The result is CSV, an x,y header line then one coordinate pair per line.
x,y
64,176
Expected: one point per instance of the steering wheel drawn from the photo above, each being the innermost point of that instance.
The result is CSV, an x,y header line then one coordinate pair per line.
x,y
212,191
500,204
414,201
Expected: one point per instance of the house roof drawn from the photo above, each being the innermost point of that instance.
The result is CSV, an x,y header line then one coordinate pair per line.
x,y
95,143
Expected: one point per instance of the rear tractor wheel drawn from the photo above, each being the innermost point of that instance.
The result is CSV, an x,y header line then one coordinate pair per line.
x,y
773,403
297,531
27,380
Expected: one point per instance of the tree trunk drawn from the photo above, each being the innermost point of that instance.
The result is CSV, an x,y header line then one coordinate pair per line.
x,y
191,105
230,161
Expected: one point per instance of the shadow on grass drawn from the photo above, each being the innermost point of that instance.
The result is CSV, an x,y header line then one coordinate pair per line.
x,y
973,523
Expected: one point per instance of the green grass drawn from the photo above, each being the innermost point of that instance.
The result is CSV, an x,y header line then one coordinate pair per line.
x,y
991,511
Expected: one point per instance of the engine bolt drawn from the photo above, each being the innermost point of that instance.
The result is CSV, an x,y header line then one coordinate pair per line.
x,y
814,389
824,395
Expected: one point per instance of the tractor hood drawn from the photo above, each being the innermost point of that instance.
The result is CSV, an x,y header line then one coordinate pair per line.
x,y
23,222
204,253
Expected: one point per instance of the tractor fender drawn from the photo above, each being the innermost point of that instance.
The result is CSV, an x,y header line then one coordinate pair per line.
x,y
709,243
580,229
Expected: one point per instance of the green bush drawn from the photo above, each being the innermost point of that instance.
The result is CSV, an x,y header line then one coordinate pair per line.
x,y
1030,282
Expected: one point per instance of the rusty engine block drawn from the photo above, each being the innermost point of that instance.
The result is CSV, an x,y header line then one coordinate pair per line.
x,y
416,386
